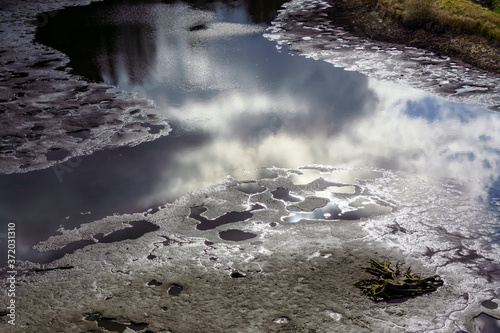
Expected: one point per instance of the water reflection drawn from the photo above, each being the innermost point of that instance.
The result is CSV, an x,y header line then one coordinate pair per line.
x,y
126,31
259,107
236,104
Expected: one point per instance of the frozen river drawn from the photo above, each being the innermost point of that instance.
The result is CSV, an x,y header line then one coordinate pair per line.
x,y
415,167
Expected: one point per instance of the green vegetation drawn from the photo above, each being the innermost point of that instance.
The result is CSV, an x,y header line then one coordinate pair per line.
x,y
494,5
460,16
461,29
389,284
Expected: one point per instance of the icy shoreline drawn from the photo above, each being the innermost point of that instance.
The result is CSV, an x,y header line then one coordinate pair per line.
x,y
305,26
290,276
47,115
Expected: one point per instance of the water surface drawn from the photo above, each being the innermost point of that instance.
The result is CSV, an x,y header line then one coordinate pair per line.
x,y
235,104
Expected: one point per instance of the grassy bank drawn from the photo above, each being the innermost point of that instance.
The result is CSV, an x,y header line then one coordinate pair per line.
x,y
462,29
456,16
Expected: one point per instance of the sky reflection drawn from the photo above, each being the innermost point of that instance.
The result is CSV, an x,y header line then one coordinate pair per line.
x,y
261,108
237,104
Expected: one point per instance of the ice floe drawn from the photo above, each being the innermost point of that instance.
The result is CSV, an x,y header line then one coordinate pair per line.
x,y
301,26
303,271
48,115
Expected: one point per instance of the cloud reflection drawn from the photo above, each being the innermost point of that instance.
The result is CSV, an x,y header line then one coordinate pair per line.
x,y
387,137
260,108
237,104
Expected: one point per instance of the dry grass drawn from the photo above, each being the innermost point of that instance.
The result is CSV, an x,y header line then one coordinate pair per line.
x,y
389,283
461,16
420,13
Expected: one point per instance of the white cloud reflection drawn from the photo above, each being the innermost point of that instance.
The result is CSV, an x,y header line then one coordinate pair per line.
x,y
385,137
260,108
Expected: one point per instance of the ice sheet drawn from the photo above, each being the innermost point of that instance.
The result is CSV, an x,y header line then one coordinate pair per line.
x,y
302,271
48,115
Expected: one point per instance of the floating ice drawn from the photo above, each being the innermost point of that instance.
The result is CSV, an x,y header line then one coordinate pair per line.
x,y
48,116
334,315
297,25
433,226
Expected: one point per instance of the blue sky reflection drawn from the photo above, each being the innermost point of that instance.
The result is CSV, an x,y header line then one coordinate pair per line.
x,y
260,108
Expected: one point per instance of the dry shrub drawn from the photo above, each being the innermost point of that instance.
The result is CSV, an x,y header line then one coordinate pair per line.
x,y
390,284
420,13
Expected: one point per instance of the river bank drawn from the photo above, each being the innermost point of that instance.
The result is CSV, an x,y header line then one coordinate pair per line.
x,y
352,36
291,276
368,18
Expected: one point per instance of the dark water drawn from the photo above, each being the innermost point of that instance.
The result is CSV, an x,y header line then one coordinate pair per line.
x,y
236,235
235,103
111,324
231,217
175,289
